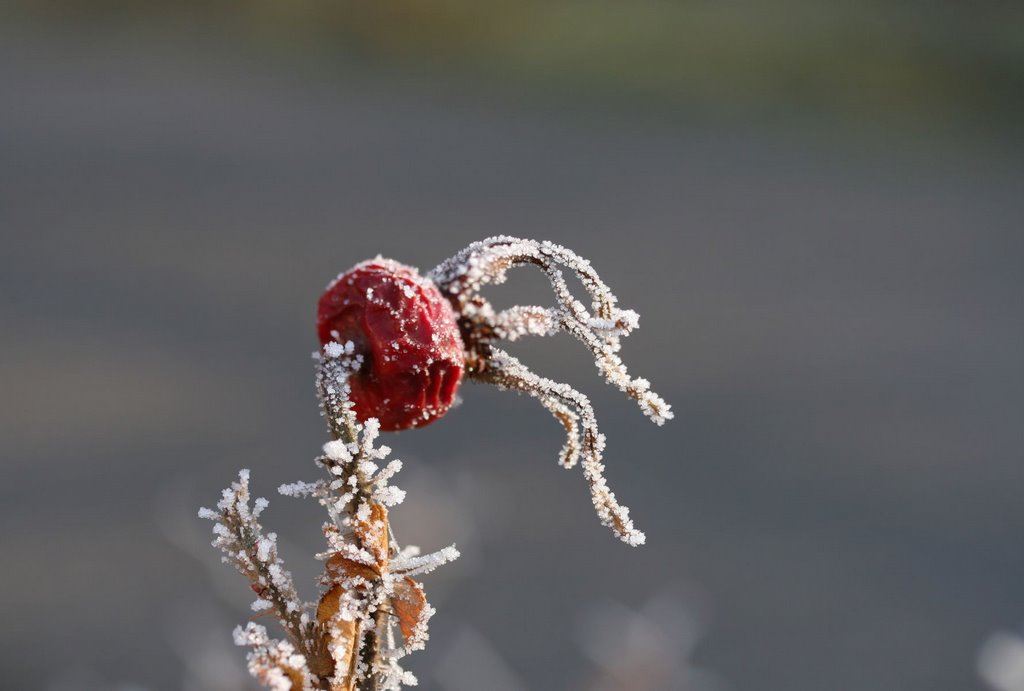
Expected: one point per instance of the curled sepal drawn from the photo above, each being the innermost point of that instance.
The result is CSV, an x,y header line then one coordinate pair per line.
x,y
599,326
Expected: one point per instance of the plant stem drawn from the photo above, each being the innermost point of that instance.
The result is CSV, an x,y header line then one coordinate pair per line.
x,y
340,425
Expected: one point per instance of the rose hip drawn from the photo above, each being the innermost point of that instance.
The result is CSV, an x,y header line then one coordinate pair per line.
x,y
406,332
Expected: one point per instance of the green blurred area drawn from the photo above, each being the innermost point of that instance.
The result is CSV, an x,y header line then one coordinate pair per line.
x,y
908,61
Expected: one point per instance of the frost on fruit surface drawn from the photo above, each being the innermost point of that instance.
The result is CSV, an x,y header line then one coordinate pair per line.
x,y
600,327
407,332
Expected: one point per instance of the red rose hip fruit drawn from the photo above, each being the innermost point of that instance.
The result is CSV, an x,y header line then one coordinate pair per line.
x,y
406,332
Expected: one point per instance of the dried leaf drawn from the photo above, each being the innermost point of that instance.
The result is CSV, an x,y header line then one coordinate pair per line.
x,y
373,534
341,633
344,634
408,603
329,604
339,567
297,677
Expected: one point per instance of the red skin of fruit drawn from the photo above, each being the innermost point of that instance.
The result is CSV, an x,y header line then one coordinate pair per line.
x,y
406,332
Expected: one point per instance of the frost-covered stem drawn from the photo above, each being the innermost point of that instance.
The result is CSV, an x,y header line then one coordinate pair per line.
x,y
332,388
291,619
301,634
370,653
487,262
345,641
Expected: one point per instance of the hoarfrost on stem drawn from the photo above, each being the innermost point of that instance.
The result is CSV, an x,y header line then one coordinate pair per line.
x,y
346,640
370,612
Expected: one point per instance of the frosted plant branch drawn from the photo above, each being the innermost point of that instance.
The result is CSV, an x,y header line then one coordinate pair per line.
x,y
418,338
347,639
600,328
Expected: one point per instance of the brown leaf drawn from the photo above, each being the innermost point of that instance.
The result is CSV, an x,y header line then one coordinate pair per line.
x,y
341,632
330,603
339,567
408,603
297,678
373,534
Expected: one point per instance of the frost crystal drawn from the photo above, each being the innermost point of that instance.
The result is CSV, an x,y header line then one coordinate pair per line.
x,y
274,663
599,327
414,565
347,639
371,612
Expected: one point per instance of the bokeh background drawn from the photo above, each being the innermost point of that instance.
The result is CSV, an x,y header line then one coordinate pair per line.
x,y
816,207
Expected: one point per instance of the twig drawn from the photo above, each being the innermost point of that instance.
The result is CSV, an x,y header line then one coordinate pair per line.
x,y
350,645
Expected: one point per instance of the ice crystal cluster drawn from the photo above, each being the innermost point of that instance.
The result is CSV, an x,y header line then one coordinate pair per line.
x,y
371,611
599,328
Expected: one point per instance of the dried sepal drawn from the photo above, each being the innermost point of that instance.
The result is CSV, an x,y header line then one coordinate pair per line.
x,y
487,261
507,372
599,327
525,320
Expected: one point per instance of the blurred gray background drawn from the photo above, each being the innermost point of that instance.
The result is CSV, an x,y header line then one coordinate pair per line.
x,y
817,214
